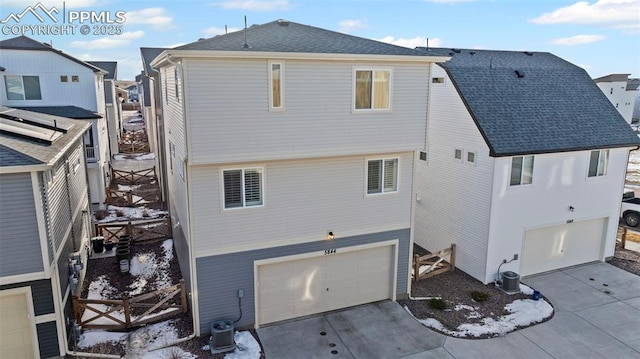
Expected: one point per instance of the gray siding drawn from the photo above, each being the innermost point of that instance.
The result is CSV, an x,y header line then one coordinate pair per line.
x,y
19,238
182,251
108,92
41,293
48,339
220,277
57,195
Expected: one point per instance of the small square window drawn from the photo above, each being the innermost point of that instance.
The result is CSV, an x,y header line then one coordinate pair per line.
x,y
457,154
75,78
471,157
64,78
423,156
437,80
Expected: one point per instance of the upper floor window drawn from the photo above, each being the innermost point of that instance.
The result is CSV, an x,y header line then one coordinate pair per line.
x,y
382,175
437,80
75,78
276,89
598,163
175,83
64,78
372,89
22,87
521,170
242,187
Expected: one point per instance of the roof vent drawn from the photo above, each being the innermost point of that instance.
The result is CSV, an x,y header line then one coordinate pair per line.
x,y
520,74
528,53
457,51
282,22
202,38
472,53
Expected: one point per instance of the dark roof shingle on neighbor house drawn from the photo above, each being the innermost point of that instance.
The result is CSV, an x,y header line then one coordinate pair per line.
x,y
288,36
111,67
27,43
74,112
533,102
16,150
148,54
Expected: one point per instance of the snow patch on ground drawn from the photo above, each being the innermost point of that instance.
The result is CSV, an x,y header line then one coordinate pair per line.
x,y
130,213
145,266
247,347
525,289
523,312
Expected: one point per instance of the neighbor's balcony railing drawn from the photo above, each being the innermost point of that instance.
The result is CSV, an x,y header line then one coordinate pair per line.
x,y
90,153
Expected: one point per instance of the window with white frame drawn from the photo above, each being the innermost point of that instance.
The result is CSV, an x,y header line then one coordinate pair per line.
x,y
457,154
372,89
276,88
382,175
242,187
471,157
521,170
22,87
598,163
172,154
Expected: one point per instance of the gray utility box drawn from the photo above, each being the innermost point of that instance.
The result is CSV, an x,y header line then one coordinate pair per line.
x,y
510,281
222,336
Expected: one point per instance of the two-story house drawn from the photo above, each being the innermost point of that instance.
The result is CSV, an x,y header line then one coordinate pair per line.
x,y
45,224
113,106
621,92
516,164
37,77
291,164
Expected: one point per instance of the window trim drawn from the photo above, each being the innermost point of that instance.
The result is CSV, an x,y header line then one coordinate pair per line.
x,y
24,91
606,163
242,186
382,185
522,172
282,80
373,69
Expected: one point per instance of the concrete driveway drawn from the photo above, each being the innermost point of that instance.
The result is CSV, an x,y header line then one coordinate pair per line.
x,y
597,315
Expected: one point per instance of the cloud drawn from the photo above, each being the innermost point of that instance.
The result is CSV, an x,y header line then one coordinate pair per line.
x,y
213,31
69,4
254,5
350,25
413,42
577,40
602,12
449,1
108,42
154,16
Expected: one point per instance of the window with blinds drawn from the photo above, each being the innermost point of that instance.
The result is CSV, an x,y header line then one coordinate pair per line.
x,y
242,187
276,89
372,89
382,176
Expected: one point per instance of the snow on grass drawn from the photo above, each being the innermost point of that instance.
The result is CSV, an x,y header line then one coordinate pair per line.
x,y
523,312
130,213
94,337
525,289
146,266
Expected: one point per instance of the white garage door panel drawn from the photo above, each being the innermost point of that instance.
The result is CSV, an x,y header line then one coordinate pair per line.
x,y
314,285
562,246
16,339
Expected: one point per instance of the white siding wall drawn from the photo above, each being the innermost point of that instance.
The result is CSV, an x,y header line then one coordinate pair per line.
x,y
230,121
454,205
304,200
619,97
559,181
175,134
49,67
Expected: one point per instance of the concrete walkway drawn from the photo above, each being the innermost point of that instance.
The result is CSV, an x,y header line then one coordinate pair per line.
x,y
597,315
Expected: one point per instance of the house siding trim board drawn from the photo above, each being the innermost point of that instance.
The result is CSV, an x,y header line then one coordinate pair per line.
x,y
220,277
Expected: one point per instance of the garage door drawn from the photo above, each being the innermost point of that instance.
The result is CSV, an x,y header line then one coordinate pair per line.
x,y
16,326
348,277
562,246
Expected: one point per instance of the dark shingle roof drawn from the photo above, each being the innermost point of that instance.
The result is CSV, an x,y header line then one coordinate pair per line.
x,y
553,107
74,112
148,54
26,43
18,151
286,36
111,67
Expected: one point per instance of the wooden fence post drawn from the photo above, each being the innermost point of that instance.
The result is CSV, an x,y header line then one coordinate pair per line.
x,y
416,267
624,236
129,230
76,310
125,306
129,198
183,296
452,259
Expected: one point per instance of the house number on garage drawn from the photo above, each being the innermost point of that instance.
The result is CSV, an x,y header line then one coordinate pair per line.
x,y
330,251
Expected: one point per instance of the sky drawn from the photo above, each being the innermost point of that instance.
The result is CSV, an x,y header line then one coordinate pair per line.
x,y
601,36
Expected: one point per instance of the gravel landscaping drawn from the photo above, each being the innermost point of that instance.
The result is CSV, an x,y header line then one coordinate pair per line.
x,y
626,259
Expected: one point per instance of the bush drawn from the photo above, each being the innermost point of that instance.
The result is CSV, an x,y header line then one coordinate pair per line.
x,y
119,213
100,215
479,296
437,303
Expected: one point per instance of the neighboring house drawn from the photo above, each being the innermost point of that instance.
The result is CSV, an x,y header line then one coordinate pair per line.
x,y
290,169
40,78
635,84
621,92
113,105
44,221
515,164
152,113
